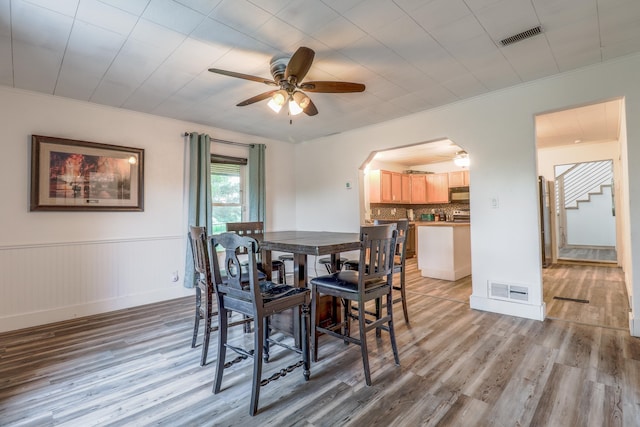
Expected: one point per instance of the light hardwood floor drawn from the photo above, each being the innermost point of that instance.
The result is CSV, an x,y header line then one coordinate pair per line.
x,y
603,287
459,367
588,253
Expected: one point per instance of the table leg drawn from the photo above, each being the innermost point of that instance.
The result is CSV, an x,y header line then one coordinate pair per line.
x,y
300,270
335,262
266,263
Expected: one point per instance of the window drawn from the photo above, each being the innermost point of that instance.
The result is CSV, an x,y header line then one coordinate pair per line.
x,y
227,190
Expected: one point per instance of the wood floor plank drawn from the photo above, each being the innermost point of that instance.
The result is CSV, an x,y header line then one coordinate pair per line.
x,y
458,367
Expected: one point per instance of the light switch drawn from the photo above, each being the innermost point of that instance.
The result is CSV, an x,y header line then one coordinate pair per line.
x,y
495,202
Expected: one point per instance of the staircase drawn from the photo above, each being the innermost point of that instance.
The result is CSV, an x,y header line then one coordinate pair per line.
x,y
581,181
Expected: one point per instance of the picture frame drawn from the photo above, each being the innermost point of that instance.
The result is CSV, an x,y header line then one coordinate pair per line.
x,y
73,175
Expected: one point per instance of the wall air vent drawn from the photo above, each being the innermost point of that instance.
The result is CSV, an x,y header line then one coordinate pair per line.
x,y
521,36
505,291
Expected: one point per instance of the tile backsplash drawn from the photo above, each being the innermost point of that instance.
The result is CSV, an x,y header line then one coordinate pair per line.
x,y
385,211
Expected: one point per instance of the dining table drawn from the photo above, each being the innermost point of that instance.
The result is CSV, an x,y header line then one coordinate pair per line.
x,y
302,244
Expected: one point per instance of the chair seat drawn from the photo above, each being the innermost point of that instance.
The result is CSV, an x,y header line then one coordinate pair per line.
x,y
261,275
327,260
347,280
272,291
351,264
275,264
354,265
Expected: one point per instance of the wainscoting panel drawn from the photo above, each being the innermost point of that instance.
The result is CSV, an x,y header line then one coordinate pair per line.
x,y
52,282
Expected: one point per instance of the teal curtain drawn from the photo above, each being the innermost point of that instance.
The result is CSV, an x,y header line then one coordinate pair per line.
x,y
199,194
257,198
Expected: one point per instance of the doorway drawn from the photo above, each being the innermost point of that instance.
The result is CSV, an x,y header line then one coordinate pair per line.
x,y
585,212
578,151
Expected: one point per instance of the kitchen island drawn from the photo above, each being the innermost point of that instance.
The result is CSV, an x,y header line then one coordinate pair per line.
x,y
444,249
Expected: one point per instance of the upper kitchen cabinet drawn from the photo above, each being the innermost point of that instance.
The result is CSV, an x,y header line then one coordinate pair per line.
x,y
437,187
389,187
405,188
418,189
459,178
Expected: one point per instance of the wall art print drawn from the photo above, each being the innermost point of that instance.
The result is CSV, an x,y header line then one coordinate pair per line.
x,y
76,175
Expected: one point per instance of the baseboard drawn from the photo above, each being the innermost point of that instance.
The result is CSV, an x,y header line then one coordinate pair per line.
x,y
527,311
634,325
451,275
27,320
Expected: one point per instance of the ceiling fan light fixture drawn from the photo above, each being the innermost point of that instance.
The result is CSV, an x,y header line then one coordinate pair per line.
x,y
294,109
301,99
277,100
462,159
298,102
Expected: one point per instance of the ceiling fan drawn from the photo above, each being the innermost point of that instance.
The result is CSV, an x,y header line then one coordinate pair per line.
x,y
288,74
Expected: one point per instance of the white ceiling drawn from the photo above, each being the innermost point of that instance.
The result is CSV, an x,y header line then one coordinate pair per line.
x,y
412,55
420,154
584,125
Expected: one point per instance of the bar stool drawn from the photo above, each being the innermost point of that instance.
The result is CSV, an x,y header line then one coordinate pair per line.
x,y
255,230
258,300
326,261
284,258
399,265
377,245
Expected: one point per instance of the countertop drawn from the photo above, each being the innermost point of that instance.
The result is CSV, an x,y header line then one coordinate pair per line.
x,y
440,224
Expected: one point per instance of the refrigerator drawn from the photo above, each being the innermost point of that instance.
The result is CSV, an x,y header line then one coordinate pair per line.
x,y
545,221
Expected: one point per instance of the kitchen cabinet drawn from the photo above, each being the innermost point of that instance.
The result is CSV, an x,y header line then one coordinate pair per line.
x,y
389,187
410,241
459,178
400,188
437,187
418,189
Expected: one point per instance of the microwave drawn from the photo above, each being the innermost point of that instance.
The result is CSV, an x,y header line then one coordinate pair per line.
x,y
459,194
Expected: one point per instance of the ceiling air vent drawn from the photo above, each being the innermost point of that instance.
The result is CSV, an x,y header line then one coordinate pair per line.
x,y
521,36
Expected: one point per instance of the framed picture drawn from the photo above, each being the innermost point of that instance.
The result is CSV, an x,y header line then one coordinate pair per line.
x,y
85,176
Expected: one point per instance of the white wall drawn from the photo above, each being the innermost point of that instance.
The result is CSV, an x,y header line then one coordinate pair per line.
x,y
59,265
497,130
593,223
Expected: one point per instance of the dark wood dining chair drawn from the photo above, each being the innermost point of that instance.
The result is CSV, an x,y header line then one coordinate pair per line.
x,y
377,246
255,229
205,310
259,300
399,265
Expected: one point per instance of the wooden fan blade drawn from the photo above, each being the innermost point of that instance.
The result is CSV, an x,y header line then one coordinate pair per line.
x,y
243,76
256,98
311,109
332,87
299,63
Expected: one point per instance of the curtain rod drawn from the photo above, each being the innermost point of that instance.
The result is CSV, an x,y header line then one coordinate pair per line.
x,y
222,141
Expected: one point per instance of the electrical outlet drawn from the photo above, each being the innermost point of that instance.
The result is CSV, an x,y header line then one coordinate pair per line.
x,y
175,276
